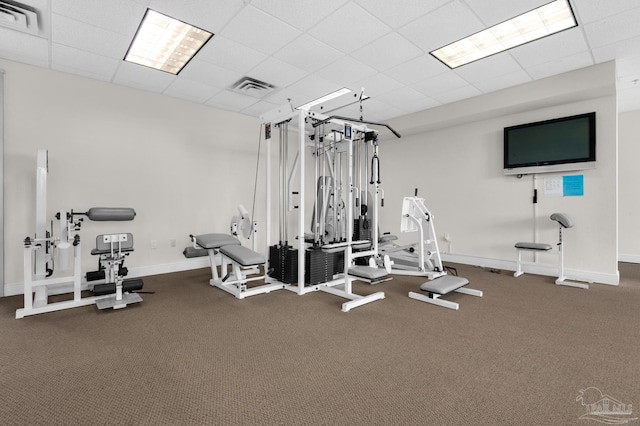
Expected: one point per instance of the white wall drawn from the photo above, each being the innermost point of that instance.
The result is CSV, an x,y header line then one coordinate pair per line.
x,y
454,156
183,167
629,176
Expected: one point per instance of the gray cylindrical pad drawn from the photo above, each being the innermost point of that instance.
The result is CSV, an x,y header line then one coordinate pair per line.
x,y
104,214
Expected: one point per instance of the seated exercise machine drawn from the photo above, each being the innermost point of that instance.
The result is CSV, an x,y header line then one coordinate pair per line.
x,y
416,217
45,253
416,259
563,222
112,250
246,265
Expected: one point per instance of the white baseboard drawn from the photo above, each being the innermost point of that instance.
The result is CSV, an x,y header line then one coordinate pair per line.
x,y
629,258
536,269
203,262
134,272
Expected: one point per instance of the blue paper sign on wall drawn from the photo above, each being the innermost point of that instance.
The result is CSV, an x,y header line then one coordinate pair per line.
x,y
573,186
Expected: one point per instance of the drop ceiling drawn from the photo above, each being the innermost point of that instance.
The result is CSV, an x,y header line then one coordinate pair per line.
x,y
307,48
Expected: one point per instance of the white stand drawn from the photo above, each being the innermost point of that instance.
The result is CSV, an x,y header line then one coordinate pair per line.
x,y
39,303
563,222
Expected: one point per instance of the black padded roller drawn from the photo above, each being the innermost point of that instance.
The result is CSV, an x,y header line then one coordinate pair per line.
x,y
104,214
191,251
95,275
129,285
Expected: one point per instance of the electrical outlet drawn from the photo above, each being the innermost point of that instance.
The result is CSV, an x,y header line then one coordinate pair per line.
x,y
154,244
447,237
172,243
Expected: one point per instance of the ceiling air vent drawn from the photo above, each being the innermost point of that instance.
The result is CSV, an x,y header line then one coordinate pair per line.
x,y
18,16
252,87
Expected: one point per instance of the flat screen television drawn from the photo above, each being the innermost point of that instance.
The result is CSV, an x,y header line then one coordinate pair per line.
x,y
560,144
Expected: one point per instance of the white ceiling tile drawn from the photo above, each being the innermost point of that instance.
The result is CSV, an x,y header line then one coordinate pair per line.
x,y
23,47
276,72
496,11
377,85
441,83
387,52
209,74
458,94
551,48
402,97
117,16
621,49
259,108
594,10
502,81
346,71
228,54
190,90
560,66
74,61
490,67
259,30
613,28
70,32
349,28
314,86
305,13
447,24
287,95
417,69
141,77
308,48
308,53
231,101
211,16
398,13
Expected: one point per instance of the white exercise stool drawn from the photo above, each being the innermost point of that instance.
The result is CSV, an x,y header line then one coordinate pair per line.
x,y
441,286
563,222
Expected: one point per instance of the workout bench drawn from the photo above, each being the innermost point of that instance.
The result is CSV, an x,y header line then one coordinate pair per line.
x,y
442,286
245,264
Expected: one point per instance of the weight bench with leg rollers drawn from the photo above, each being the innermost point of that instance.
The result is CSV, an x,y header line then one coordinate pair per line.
x,y
563,222
442,286
245,264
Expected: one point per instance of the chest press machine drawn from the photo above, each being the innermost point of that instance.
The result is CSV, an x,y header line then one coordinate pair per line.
x,y
563,222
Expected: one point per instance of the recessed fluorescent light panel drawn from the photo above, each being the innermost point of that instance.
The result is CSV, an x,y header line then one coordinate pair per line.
x,y
164,43
546,20
325,98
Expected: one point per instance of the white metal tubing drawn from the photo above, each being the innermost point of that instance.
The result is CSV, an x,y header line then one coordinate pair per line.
x,y
290,179
348,249
434,301
361,300
301,206
268,194
41,211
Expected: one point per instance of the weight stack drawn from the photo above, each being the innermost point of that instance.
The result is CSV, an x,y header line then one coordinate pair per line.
x,y
360,231
283,264
319,266
338,262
